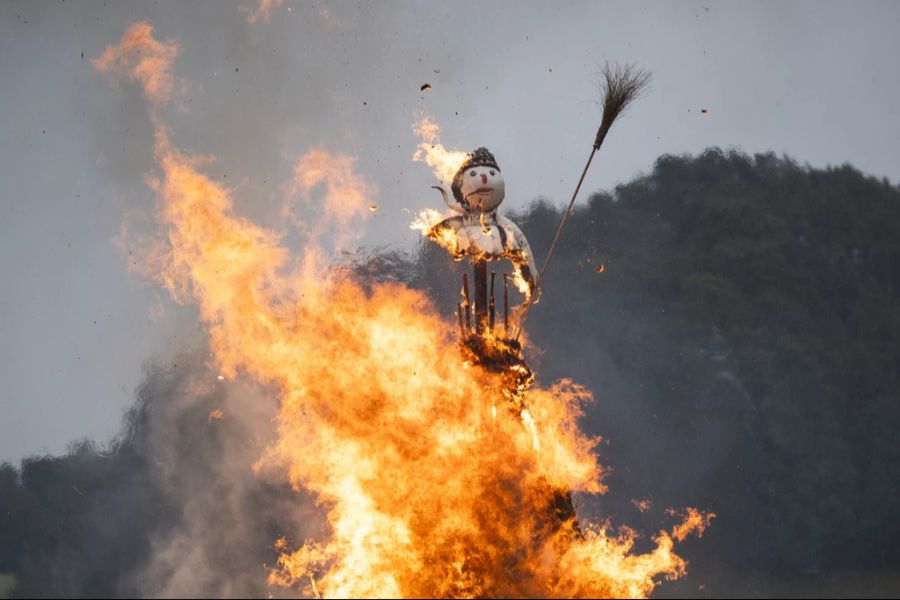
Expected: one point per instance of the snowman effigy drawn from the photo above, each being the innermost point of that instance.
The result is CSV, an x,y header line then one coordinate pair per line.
x,y
480,233
478,190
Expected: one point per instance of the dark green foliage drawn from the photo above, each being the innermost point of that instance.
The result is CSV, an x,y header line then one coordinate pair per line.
x,y
743,343
71,524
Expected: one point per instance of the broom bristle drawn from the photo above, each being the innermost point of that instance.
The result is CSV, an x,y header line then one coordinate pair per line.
x,y
620,85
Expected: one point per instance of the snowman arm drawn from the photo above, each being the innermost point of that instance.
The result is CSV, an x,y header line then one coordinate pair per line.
x,y
519,252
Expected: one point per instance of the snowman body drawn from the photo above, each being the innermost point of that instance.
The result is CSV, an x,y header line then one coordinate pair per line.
x,y
478,231
480,237
489,237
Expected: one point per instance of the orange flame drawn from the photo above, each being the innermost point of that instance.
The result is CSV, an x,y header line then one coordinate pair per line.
x,y
335,198
263,11
695,521
642,505
430,151
141,58
430,490
425,222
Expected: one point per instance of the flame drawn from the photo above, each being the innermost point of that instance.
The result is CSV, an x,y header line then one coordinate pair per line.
x,y
334,197
425,222
695,521
263,11
430,151
448,239
642,504
141,58
429,489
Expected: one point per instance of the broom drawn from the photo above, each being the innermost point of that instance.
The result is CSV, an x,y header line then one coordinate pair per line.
x,y
619,85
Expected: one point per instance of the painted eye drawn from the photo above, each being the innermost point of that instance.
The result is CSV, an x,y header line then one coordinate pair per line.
x,y
472,172
492,173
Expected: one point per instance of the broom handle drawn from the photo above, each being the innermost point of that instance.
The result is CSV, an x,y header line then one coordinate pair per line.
x,y
565,217
562,223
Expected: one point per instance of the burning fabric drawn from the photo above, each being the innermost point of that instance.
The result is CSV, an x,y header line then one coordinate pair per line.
x,y
431,489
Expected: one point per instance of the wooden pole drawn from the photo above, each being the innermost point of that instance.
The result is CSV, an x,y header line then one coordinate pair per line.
x,y
491,304
481,295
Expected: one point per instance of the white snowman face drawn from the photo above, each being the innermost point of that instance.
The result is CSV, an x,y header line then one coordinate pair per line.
x,y
483,187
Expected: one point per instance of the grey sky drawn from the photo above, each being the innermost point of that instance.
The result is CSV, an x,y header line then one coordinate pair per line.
x,y
815,80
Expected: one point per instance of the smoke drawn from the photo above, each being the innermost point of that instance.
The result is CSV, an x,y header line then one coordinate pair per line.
x,y
172,507
229,512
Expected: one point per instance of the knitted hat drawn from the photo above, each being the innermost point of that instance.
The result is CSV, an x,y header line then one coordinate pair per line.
x,y
480,157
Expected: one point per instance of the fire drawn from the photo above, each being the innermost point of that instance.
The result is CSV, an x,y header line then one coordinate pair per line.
x,y
695,521
327,186
642,504
433,153
263,11
425,222
433,483
141,58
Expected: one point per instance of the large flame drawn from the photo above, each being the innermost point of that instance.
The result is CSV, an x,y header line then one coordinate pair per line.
x,y
432,484
433,153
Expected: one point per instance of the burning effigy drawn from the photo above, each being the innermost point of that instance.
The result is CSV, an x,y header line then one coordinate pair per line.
x,y
439,473
478,232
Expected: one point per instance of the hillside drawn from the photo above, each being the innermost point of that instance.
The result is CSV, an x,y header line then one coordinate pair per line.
x,y
742,341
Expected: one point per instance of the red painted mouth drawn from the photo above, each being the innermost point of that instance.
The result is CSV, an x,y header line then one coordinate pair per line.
x,y
484,190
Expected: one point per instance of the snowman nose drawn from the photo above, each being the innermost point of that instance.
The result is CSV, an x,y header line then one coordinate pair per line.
x,y
483,178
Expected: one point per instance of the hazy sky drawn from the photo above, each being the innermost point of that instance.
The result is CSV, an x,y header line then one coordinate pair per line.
x,y
815,80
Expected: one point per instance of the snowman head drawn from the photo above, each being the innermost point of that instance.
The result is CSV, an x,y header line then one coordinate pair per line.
x,y
478,185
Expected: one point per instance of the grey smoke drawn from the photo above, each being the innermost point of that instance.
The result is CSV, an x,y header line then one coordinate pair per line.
x,y
171,508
